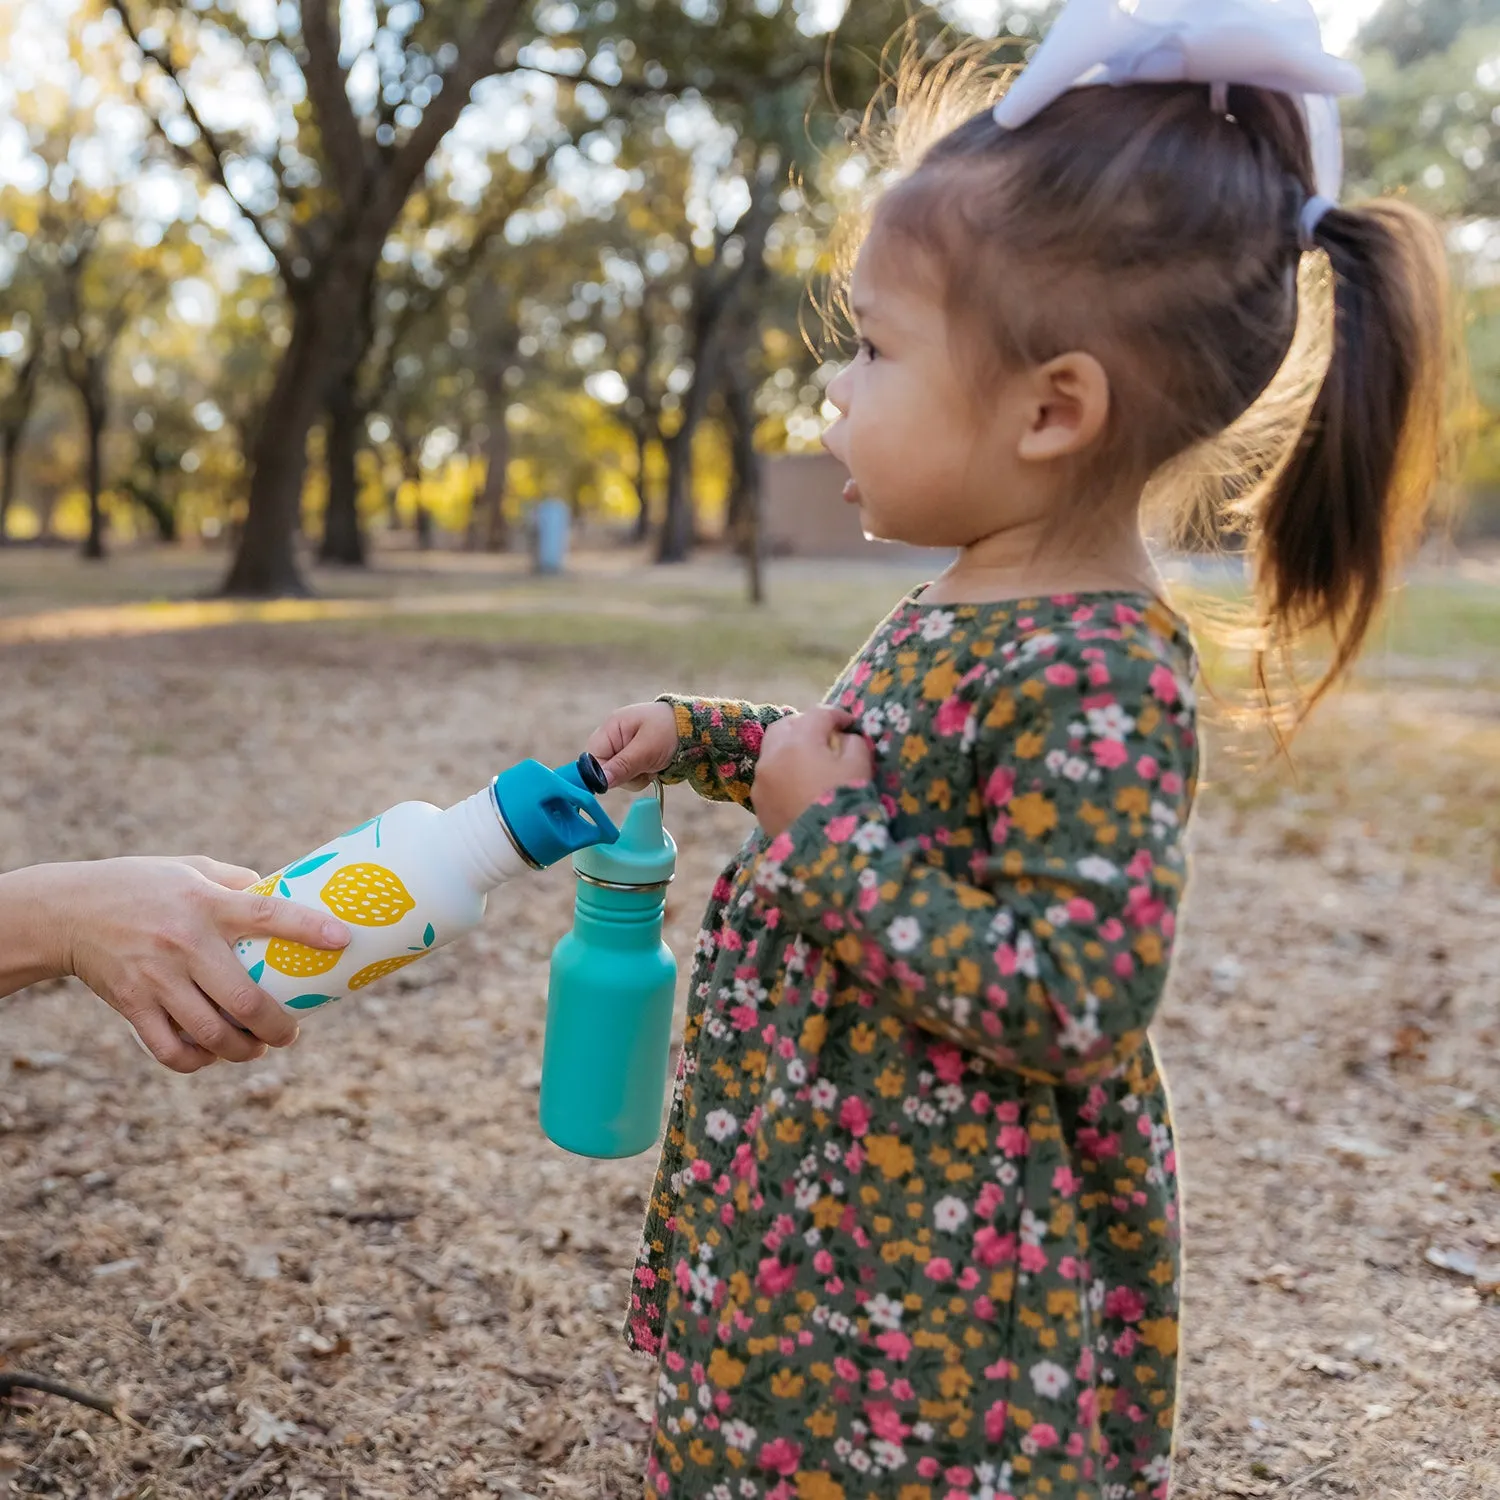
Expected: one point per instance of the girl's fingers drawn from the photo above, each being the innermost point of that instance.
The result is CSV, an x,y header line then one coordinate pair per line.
x,y
239,914
221,978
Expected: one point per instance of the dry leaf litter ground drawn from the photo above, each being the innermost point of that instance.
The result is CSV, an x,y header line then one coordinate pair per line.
x,y
357,1269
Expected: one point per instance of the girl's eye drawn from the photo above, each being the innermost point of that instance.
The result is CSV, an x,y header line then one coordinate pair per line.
x,y
868,350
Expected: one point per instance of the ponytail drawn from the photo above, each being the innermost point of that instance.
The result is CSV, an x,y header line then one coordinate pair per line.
x,y
1350,503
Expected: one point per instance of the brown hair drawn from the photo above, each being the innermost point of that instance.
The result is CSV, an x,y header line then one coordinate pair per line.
x,y
1162,237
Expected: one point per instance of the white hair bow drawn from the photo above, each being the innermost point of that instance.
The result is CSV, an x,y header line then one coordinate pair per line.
x,y
1269,44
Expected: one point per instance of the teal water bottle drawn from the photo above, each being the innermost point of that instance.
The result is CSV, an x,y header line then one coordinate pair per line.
x,y
609,1001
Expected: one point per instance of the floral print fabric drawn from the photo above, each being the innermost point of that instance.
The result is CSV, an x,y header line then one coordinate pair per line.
x,y
915,1229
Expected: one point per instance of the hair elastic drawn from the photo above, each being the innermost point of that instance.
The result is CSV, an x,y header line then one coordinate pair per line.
x,y
1218,98
1312,215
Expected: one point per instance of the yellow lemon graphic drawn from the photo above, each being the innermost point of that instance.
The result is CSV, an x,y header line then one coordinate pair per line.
x,y
266,887
371,972
298,961
367,896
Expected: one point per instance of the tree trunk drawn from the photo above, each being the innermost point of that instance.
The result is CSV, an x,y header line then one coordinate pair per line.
x,y
745,498
642,457
10,459
93,547
322,353
493,532
343,540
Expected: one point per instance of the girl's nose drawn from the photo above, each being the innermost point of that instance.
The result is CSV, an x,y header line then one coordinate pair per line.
x,y
838,390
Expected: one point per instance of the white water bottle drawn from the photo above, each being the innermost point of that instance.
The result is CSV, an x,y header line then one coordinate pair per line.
x,y
418,877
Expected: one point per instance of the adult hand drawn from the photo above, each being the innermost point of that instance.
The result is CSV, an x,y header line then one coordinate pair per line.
x,y
635,743
803,757
152,938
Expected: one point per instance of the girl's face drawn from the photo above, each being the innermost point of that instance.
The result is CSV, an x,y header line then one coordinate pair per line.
x,y
930,464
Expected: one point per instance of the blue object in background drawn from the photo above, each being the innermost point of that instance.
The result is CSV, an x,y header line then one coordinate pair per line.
x,y
553,520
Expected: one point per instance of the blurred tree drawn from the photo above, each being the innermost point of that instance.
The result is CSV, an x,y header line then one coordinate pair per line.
x,y
23,350
349,128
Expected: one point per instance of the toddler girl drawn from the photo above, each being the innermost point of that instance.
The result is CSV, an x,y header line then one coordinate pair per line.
x,y
915,1232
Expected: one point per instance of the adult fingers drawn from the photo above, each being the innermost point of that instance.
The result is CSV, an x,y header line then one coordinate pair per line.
x,y
206,1025
160,1038
239,914
232,877
219,975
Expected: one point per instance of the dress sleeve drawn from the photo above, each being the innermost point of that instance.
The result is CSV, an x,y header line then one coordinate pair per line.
x,y
718,744
1051,957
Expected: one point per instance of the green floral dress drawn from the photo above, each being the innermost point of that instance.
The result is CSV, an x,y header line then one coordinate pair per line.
x,y
915,1229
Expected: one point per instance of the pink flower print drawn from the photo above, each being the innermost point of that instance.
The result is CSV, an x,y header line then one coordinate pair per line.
x,y
646,1276
980,1104
781,1456
1061,674
991,1196
906,976
902,1391
1124,1346
822,1262
1044,1435
743,1018
1000,788
675,1362
1098,675
1124,965
1069,1269
1171,784
1110,754
952,717
773,1278
885,1421
994,1422
841,830
968,1278
939,1268
1164,685
991,1248
701,1170
927,1468
779,848
1066,1181
1014,1141
1081,909
1111,930
1125,1303
1033,1257
862,674
960,1477
947,1062
893,1345
1127,614
868,899
854,1115
845,1368
723,890
751,735
1005,959
1008,1112
854,1159
1147,768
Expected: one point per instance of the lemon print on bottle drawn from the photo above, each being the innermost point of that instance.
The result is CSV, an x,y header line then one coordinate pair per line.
x,y
298,961
266,887
371,972
367,896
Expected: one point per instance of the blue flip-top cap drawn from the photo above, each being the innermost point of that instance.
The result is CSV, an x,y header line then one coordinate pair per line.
x,y
552,814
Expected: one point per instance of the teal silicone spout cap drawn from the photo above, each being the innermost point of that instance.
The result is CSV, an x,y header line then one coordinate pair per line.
x,y
609,1000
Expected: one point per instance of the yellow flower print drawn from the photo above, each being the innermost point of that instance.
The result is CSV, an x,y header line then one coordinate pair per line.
x,y
725,1371
1034,814
891,1154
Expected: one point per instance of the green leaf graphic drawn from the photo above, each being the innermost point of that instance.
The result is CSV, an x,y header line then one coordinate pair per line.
x,y
428,936
284,888
309,1002
369,822
256,970
309,865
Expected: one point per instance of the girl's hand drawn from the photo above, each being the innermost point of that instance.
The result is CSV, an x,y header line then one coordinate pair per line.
x,y
801,758
152,938
636,743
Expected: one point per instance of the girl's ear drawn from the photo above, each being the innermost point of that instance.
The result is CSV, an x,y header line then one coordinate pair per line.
x,y
1067,406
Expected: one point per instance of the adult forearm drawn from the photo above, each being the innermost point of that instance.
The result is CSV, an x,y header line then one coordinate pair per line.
x,y
30,947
